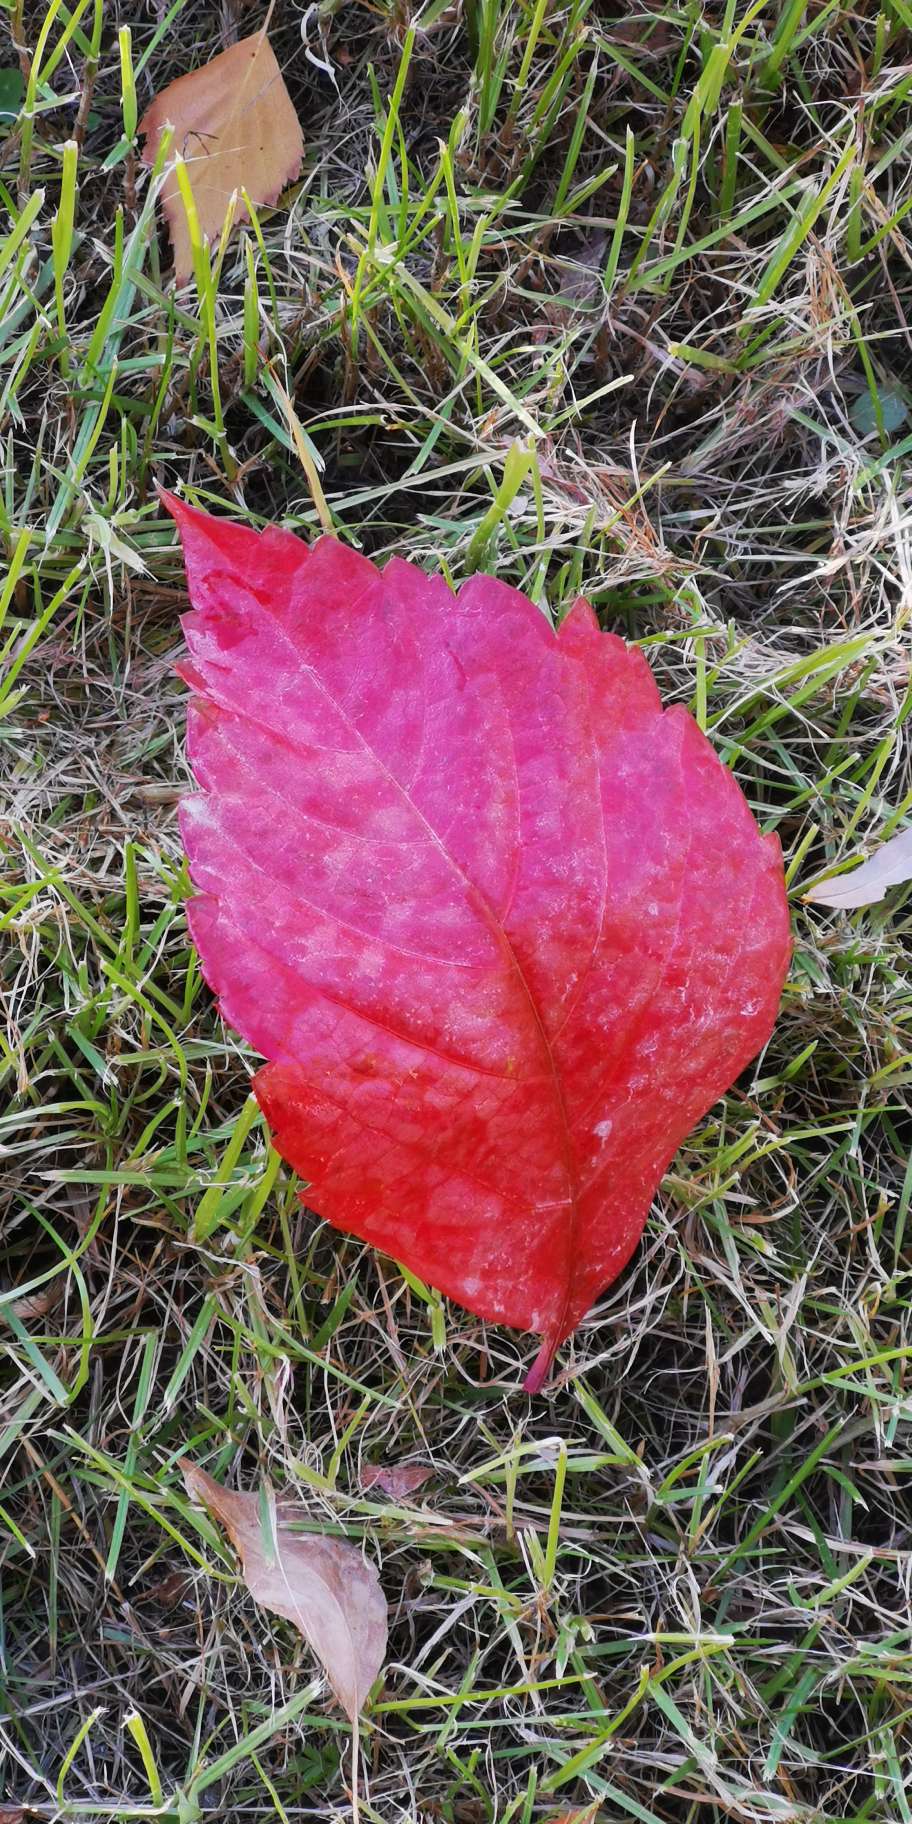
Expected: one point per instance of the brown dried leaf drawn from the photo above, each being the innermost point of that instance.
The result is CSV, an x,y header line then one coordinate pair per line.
x,y
398,1480
889,866
235,126
323,1585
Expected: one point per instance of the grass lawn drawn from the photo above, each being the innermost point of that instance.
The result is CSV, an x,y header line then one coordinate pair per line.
x,y
598,298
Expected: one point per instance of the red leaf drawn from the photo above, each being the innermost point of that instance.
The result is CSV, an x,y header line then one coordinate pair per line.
x,y
504,930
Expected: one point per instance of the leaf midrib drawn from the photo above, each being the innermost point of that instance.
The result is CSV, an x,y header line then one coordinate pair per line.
x,y
477,898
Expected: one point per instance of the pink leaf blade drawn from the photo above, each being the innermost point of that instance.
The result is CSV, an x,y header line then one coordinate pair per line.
x,y
503,928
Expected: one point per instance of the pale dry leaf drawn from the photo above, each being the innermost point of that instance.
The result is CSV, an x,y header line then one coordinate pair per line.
x,y
398,1480
235,127
323,1585
889,866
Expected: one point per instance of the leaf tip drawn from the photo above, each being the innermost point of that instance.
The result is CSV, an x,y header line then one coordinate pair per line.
x,y
186,517
172,503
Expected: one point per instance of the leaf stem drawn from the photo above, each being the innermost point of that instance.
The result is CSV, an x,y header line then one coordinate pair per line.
x,y
538,1373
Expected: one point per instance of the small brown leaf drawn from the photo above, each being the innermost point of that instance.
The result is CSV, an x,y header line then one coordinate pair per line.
x,y
398,1480
323,1585
235,126
889,866
37,1304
